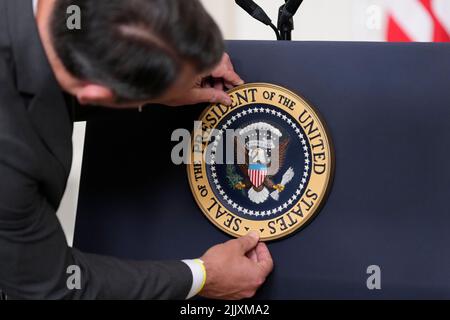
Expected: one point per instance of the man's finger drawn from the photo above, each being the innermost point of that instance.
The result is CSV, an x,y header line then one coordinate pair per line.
x,y
247,243
264,258
210,95
228,75
218,84
229,85
253,256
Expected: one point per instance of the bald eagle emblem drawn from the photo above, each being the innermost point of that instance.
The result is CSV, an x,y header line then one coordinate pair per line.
x,y
262,147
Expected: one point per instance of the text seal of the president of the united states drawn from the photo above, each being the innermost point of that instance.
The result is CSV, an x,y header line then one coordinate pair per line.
x,y
265,163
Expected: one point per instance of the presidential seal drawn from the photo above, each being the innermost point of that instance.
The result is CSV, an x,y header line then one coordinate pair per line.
x,y
263,164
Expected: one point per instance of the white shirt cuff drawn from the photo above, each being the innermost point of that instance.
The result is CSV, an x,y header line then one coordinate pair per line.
x,y
198,276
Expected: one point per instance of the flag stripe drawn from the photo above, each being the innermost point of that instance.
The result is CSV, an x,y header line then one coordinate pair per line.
x,y
419,20
441,9
440,35
396,34
257,177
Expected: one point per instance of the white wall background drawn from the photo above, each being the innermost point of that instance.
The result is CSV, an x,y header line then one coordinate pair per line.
x,y
337,20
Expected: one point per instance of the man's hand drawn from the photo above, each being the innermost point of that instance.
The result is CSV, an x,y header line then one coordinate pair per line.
x,y
212,88
236,269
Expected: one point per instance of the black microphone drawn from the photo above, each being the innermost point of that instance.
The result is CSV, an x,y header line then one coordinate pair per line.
x,y
254,10
285,18
258,13
292,6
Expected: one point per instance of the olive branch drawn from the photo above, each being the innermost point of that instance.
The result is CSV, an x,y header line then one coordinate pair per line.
x,y
233,177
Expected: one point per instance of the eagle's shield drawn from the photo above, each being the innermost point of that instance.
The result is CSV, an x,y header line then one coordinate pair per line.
x,y
257,174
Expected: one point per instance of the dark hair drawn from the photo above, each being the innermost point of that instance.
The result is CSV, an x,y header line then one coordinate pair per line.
x,y
136,47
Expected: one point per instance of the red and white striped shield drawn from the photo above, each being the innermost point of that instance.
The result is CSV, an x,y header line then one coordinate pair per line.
x,y
257,173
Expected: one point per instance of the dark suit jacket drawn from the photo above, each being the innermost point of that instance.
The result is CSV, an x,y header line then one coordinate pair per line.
x,y
35,160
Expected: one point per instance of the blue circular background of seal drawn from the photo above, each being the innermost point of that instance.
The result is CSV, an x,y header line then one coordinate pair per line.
x,y
222,175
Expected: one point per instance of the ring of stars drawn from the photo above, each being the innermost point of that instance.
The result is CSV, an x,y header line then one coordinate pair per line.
x,y
297,194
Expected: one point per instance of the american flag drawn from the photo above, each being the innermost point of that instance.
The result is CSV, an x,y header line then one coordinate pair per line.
x,y
418,20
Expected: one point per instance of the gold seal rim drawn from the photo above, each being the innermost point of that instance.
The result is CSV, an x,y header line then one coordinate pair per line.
x,y
329,177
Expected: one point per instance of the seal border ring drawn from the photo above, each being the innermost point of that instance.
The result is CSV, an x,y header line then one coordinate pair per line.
x,y
329,179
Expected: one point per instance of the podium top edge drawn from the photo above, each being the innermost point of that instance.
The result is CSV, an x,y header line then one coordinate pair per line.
x,y
346,43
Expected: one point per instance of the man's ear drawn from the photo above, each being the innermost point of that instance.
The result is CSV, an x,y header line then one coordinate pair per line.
x,y
95,95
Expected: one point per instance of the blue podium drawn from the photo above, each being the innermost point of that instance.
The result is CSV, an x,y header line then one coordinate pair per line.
x,y
387,107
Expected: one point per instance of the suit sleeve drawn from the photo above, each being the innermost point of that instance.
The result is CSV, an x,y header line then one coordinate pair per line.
x,y
34,256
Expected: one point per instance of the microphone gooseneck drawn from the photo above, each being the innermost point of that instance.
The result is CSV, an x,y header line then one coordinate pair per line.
x,y
258,13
